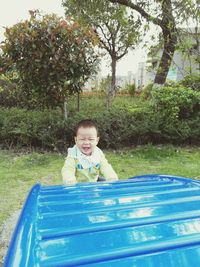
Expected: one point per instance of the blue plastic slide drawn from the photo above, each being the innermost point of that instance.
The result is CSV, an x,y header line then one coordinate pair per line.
x,y
145,221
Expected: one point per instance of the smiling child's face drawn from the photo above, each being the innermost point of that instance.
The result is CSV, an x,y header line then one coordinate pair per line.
x,y
86,139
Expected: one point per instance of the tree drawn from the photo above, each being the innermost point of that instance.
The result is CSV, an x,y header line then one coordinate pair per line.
x,y
53,57
164,14
117,31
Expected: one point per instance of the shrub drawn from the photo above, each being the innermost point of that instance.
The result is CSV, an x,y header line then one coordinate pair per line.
x,y
52,56
192,81
118,127
31,128
172,115
176,109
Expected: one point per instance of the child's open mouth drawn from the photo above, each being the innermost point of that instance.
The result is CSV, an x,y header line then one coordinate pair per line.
x,y
86,149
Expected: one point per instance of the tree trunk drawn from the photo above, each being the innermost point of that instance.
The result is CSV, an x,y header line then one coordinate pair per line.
x,y
112,87
168,27
166,59
113,83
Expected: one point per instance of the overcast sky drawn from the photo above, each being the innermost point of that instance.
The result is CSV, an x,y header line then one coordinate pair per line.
x,y
13,11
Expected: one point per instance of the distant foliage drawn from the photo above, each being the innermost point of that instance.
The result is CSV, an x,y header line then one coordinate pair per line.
x,y
105,84
52,56
146,91
192,81
128,89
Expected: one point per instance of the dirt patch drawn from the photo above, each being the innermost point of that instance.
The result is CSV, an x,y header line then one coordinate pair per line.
x,y
6,231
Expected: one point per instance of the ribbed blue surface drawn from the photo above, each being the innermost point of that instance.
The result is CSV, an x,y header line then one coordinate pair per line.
x,y
147,221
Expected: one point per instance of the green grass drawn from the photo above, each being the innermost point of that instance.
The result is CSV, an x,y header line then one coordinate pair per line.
x,y
20,171
89,103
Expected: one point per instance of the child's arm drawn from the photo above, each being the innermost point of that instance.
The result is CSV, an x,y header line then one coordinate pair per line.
x,y
106,170
68,171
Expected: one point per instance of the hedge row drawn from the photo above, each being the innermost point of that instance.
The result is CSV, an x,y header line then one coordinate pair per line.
x,y
172,115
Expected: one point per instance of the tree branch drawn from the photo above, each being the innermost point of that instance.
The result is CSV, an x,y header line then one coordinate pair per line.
x,y
142,12
107,47
122,54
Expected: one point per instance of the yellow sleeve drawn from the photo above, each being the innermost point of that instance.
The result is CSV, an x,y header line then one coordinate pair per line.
x,y
106,170
68,171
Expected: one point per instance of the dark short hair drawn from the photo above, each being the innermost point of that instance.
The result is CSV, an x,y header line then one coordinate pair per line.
x,y
85,124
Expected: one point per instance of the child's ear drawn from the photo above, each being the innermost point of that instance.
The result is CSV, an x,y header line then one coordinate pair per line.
x,y
75,139
98,139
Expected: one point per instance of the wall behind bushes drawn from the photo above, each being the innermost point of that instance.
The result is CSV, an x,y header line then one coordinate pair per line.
x,y
171,115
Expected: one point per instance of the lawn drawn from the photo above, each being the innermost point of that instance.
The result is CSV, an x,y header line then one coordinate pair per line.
x,y
19,171
89,103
